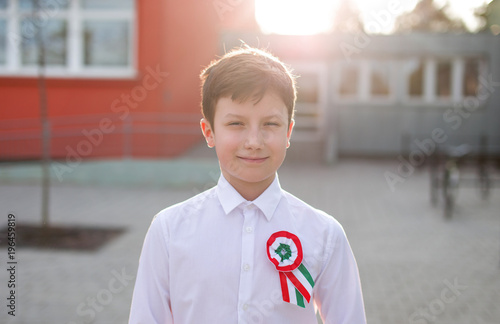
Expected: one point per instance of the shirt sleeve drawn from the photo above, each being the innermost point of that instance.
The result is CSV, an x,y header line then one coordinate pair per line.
x,y
338,295
151,298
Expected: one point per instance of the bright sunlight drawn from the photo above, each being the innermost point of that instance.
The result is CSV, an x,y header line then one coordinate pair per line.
x,y
308,17
295,17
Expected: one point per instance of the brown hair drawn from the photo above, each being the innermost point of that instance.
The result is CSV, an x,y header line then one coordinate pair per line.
x,y
246,73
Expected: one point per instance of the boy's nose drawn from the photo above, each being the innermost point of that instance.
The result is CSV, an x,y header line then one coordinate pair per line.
x,y
254,139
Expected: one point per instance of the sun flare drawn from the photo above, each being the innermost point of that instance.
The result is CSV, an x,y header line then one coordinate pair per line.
x,y
295,17
308,17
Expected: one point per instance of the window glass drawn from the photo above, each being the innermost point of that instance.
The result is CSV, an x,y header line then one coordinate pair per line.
x,y
105,33
349,81
107,4
3,41
380,77
106,42
471,77
307,88
49,6
53,41
443,79
416,79
26,4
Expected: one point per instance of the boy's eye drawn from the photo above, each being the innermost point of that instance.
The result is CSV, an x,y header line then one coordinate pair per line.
x,y
272,124
234,123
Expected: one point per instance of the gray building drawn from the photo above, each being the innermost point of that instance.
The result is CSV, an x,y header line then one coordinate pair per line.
x,y
366,95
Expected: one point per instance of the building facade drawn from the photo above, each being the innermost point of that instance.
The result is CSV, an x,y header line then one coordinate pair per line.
x,y
367,95
120,77
121,80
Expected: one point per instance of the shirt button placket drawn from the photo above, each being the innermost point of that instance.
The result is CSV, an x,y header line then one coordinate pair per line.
x,y
247,261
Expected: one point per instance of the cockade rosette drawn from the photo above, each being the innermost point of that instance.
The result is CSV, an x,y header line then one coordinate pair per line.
x,y
284,250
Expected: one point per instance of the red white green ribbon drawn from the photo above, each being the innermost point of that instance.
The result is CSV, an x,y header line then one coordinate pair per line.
x,y
284,250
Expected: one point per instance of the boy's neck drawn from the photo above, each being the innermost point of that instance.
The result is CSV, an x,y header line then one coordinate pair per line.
x,y
249,190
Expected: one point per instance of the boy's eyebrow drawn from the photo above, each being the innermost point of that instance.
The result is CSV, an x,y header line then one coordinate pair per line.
x,y
232,115
274,116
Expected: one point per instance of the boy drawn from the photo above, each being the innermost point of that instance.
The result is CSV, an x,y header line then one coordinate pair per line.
x,y
246,251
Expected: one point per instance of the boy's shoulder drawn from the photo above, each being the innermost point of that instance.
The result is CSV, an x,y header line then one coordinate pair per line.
x,y
191,205
302,209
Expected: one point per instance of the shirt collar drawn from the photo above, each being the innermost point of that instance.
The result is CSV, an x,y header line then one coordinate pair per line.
x,y
267,202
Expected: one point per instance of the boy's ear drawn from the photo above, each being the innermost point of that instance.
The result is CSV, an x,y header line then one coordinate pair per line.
x,y
207,131
289,132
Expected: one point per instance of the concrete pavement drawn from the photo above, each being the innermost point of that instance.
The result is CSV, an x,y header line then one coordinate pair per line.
x,y
415,267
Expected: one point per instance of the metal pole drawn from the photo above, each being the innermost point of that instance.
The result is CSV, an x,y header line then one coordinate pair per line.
x,y
127,137
44,123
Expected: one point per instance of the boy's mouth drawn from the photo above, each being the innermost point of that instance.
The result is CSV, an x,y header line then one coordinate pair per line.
x,y
253,159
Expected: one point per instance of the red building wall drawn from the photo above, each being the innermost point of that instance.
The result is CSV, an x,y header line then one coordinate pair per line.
x,y
89,116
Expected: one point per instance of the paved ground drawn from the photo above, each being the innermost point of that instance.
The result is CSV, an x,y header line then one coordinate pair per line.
x,y
415,267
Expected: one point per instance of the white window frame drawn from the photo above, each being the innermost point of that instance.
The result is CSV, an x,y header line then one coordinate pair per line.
x,y
320,69
398,82
363,92
429,96
75,66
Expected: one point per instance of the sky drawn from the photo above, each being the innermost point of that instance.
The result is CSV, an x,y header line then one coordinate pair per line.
x,y
463,9
279,16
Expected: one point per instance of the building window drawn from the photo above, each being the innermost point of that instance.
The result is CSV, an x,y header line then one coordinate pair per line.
x,y
470,83
53,39
311,99
443,79
108,4
366,79
416,78
75,37
3,41
348,82
422,81
106,43
3,32
380,79
308,88
307,108
42,32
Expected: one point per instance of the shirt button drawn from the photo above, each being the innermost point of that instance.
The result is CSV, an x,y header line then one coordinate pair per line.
x,y
245,307
249,229
246,267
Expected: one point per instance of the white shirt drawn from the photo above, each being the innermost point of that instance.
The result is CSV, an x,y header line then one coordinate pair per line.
x,y
204,261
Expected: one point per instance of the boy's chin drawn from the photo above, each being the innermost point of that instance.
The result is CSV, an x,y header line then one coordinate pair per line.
x,y
249,177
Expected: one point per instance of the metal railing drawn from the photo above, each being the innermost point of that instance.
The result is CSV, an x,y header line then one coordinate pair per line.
x,y
155,134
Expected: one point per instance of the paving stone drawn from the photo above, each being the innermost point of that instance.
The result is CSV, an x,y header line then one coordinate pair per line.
x,y
406,252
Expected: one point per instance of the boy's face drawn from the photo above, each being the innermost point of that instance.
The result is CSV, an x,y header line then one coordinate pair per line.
x,y
250,139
